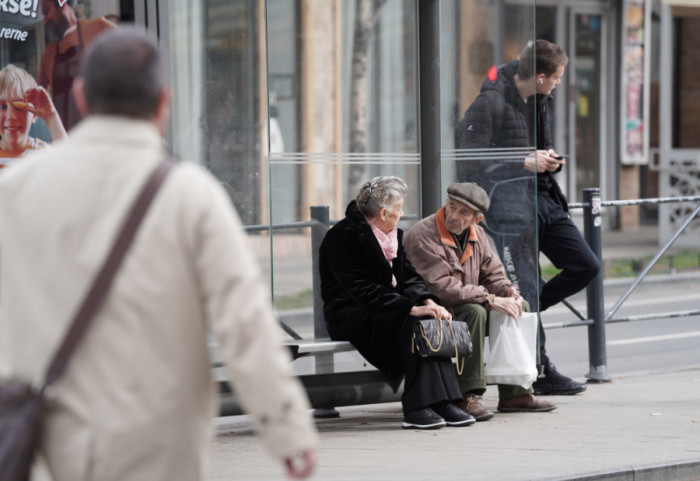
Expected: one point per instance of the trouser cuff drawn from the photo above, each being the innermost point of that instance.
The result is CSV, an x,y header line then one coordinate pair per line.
x,y
511,391
473,388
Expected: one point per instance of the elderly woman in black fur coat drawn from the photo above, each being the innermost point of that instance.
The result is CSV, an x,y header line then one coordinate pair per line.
x,y
372,296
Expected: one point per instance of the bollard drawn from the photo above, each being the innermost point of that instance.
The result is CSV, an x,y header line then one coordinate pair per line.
x,y
594,292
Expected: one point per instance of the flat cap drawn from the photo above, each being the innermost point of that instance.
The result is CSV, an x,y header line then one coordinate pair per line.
x,y
470,194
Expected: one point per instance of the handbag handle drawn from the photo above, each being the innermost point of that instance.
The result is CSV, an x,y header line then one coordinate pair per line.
x,y
459,368
427,341
98,291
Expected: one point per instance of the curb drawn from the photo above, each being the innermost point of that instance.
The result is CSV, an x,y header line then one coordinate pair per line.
x,y
671,471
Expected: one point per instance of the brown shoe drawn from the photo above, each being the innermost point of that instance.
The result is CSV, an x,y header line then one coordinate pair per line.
x,y
472,405
525,404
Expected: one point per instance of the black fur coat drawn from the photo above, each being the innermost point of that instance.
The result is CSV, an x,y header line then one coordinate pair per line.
x,y
359,302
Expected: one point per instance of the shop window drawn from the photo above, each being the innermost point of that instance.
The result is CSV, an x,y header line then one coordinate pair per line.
x,y
687,100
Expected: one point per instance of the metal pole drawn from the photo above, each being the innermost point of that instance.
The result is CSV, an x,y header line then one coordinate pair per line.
x,y
320,215
324,362
499,33
594,292
429,102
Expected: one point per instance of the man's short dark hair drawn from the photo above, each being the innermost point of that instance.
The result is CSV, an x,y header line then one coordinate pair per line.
x,y
540,57
123,74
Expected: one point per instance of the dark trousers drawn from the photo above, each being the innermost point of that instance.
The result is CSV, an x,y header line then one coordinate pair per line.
x,y
561,241
429,380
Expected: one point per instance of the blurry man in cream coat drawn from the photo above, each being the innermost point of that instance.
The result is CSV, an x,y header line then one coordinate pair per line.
x,y
137,400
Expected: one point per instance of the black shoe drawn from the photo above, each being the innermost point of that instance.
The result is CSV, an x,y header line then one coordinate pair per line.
x,y
551,382
424,418
452,415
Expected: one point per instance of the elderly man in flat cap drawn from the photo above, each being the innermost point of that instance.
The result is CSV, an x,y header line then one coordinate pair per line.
x,y
452,253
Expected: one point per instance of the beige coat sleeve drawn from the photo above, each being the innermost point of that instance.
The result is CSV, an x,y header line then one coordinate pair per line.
x,y
239,310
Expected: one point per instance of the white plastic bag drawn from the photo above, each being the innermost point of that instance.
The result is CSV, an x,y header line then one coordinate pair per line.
x,y
512,345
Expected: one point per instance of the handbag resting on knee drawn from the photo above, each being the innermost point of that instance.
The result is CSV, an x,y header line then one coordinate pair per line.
x,y
441,338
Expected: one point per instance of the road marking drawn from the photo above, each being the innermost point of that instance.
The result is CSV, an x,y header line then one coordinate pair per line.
x,y
628,303
667,337
662,300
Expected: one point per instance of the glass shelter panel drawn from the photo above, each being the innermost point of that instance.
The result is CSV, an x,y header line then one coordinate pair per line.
x,y
343,105
294,105
219,109
489,104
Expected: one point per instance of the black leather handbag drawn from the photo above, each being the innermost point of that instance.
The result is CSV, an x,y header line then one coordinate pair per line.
x,y
441,338
22,406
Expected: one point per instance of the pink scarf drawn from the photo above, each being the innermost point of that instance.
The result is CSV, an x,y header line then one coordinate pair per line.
x,y
389,244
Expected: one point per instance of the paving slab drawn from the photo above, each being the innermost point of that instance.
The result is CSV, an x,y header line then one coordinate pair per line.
x,y
638,427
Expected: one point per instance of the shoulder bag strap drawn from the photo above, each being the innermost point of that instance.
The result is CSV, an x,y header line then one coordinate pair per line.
x,y
102,282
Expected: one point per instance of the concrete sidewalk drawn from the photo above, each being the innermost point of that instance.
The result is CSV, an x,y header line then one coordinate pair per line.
x,y
641,427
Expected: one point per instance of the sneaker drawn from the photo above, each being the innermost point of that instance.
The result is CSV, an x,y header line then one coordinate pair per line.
x,y
471,404
525,404
453,415
551,382
424,418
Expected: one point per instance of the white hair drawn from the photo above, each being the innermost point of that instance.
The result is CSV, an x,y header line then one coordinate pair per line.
x,y
382,192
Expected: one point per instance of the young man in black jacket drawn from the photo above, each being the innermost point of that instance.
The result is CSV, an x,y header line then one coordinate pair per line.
x,y
507,132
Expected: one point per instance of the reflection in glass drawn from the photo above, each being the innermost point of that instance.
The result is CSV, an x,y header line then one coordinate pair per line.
x,y
342,88
495,132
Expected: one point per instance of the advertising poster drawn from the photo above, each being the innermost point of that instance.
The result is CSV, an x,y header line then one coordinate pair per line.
x,y
41,45
634,137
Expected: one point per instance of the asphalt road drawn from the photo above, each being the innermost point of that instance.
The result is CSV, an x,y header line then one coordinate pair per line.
x,y
656,345
632,347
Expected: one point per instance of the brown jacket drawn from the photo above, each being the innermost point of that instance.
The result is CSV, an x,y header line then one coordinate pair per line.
x,y
455,276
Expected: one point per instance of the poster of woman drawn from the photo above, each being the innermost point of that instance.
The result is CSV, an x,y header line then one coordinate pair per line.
x,y
22,102
41,46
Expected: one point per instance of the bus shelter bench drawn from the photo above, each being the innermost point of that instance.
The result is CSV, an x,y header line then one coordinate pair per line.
x,y
325,391
315,347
